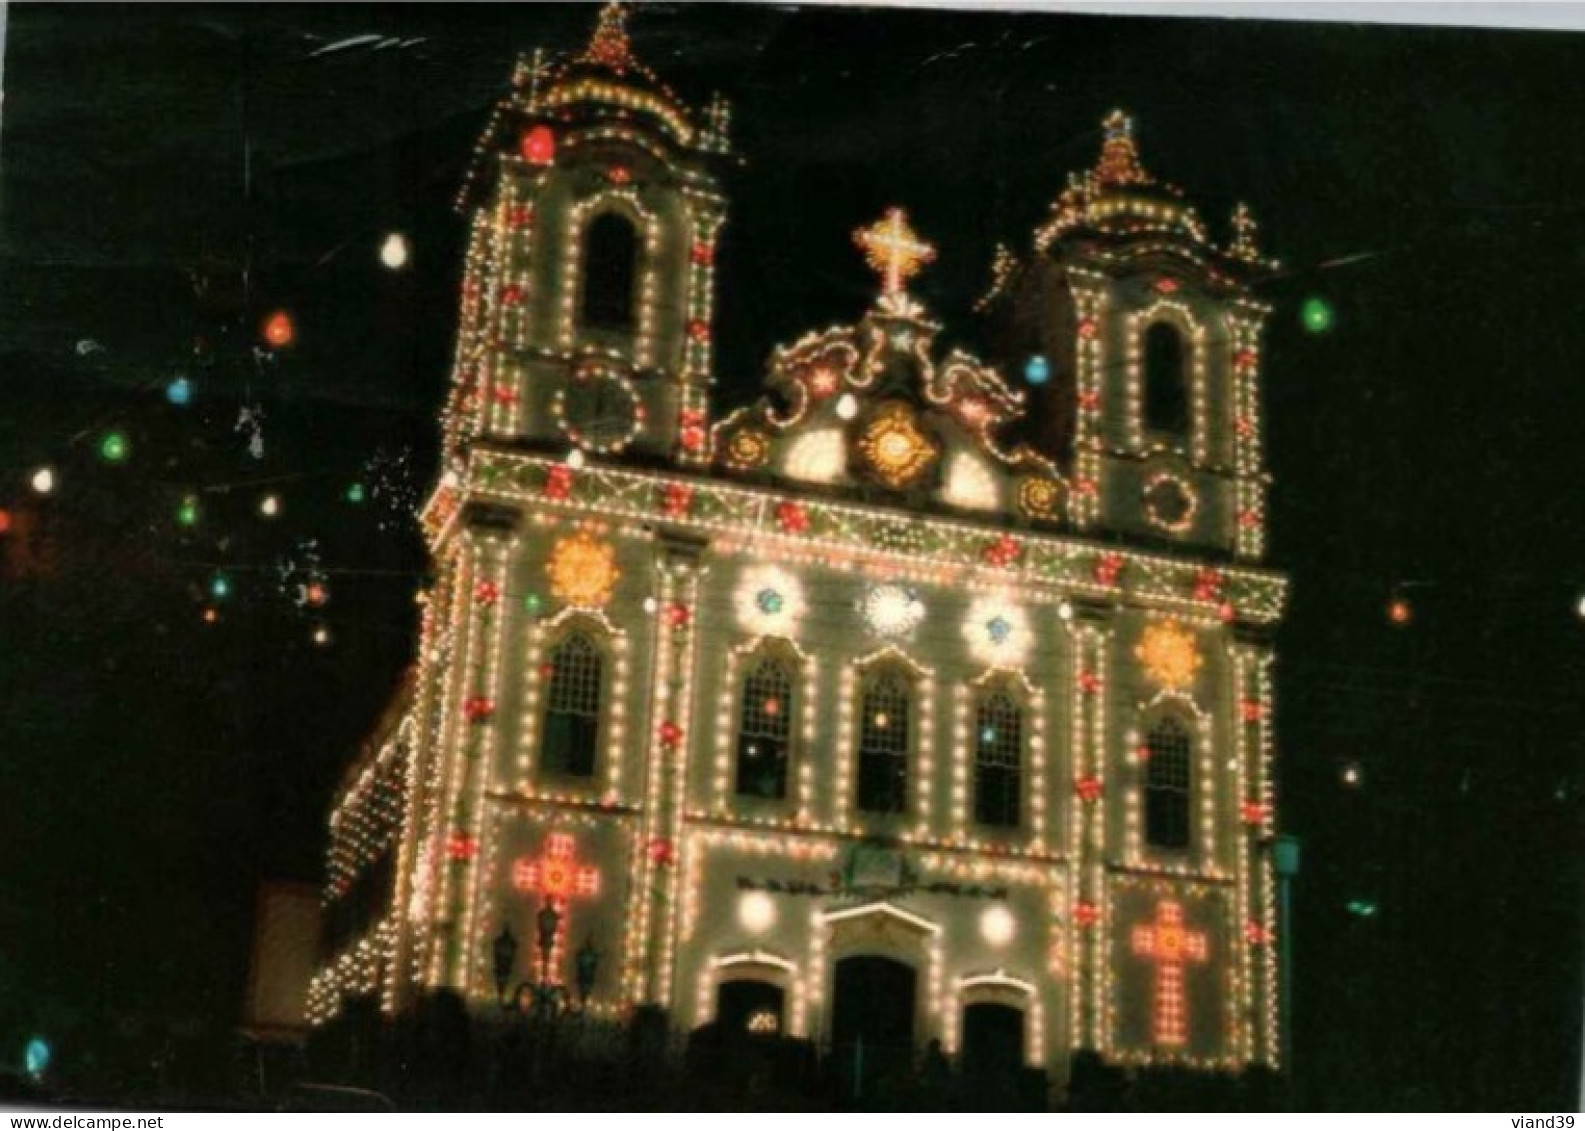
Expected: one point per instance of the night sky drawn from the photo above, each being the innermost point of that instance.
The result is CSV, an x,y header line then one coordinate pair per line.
x,y
154,767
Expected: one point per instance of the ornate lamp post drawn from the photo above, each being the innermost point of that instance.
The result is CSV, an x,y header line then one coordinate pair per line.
x,y
546,924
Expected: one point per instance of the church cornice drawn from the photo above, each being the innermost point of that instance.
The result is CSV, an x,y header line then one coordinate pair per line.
x,y
798,525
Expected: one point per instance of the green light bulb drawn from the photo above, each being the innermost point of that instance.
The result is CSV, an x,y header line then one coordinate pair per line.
x,y
113,447
187,512
1316,314
355,493
220,587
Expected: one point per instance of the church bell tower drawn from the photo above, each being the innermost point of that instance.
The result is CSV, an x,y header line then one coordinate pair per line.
x,y
1139,339
586,320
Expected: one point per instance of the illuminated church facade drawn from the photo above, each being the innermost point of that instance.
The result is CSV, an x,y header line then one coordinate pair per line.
x,y
923,698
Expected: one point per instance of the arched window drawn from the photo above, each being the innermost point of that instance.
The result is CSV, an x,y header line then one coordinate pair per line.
x,y
1168,784
885,740
765,728
572,707
998,760
610,272
1166,405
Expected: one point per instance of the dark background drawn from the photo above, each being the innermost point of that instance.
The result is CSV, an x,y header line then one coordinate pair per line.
x,y
1425,182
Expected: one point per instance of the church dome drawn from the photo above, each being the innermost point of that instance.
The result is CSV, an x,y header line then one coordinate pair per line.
x,y
1119,197
606,80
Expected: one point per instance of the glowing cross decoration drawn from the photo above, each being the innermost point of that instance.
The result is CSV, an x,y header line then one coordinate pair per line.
x,y
1171,946
556,877
893,250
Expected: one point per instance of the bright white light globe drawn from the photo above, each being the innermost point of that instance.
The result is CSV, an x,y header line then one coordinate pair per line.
x,y
394,251
892,610
997,925
756,911
44,480
847,406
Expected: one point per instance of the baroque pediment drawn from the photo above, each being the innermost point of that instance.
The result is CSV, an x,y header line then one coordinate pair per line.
x,y
870,409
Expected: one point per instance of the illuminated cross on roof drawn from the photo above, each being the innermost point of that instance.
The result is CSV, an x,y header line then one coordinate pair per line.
x,y
893,250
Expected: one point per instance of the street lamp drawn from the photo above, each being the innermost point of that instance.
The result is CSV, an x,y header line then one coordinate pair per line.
x,y
547,923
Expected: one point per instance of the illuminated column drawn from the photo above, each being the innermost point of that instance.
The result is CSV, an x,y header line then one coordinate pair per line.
x,y
1090,299
693,409
1249,475
653,910
1088,639
468,726
1257,882
409,911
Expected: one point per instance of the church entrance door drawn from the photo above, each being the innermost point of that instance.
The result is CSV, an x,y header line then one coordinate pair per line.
x,y
993,1054
872,1022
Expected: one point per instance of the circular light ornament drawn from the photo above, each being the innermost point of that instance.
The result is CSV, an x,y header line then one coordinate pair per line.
x,y
847,406
997,630
997,925
270,506
394,252
179,392
892,611
768,600
1170,502
1169,655
1037,370
1316,314
43,480
756,912
582,570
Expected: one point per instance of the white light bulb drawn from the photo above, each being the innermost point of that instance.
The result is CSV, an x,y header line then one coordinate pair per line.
x,y
44,480
756,911
650,604
1065,611
394,251
575,458
270,506
847,406
997,925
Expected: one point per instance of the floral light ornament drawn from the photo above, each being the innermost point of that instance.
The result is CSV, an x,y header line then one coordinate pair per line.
x,y
895,447
583,571
1169,655
769,600
892,611
997,631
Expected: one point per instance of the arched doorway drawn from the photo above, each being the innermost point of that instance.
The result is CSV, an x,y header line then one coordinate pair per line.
x,y
993,1053
872,1020
750,1006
